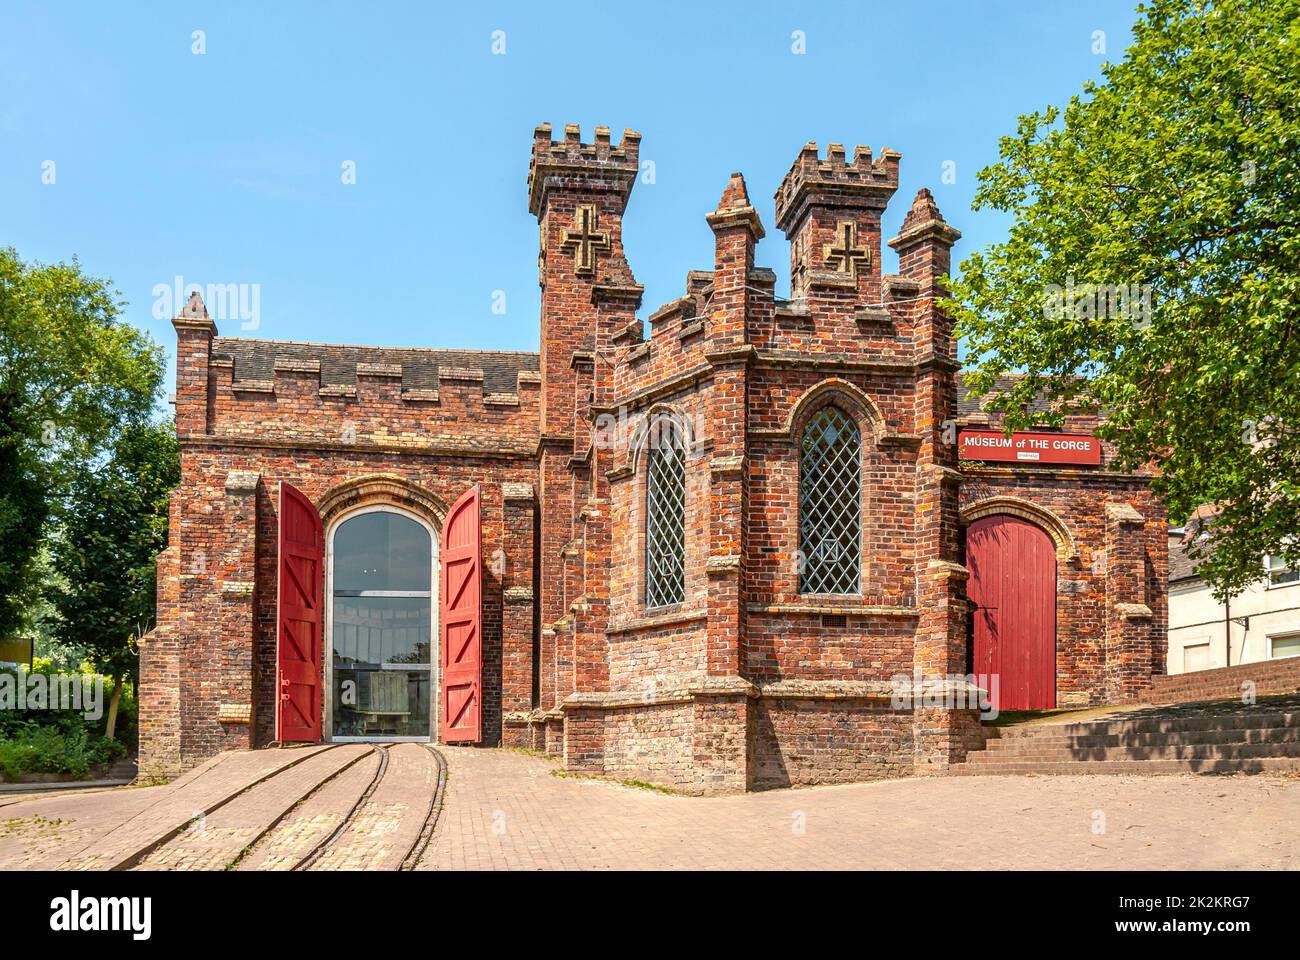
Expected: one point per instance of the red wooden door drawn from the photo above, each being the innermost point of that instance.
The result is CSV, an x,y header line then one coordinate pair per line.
x,y
460,619
298,617
1013,590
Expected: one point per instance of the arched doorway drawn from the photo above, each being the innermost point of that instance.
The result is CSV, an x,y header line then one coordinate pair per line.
x,y
381,659
1012,590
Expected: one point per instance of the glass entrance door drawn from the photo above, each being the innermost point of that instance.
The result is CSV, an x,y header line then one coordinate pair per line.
x,y
381,628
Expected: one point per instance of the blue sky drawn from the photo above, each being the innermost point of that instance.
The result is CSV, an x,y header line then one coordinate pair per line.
x,y
226,167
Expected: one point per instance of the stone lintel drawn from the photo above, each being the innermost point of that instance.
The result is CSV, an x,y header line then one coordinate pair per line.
x,y
242,481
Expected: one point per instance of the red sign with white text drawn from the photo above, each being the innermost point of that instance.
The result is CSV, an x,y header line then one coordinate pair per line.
x,y
1029,447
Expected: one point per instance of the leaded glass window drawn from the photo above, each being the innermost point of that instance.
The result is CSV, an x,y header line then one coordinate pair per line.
x,y
665,517
830,504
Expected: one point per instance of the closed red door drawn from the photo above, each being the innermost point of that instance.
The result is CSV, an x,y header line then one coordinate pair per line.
x,y
460,619
298,619
1013,590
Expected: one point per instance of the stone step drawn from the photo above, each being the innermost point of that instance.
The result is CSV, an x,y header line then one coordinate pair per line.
x,y
1131,767
1140,740
1218,751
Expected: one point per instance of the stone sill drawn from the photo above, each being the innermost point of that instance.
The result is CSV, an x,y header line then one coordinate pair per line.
x,y
879,690
840,609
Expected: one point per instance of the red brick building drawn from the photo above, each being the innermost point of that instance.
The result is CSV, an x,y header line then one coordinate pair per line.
x,y
730,555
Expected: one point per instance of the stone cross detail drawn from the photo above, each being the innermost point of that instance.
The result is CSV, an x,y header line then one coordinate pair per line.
x,y
585,240
846,258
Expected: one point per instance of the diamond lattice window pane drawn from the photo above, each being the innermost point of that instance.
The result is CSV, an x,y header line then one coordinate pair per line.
x,y
830,504
665,519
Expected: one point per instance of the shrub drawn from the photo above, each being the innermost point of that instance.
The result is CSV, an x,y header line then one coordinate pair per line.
x,y
63,741
64,748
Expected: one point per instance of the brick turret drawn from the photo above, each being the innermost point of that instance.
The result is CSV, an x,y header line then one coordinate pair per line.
x,y
924,248
195,331
578,192
830,212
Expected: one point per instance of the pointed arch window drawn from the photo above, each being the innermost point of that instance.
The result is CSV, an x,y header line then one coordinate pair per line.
x,y
830,504
665,515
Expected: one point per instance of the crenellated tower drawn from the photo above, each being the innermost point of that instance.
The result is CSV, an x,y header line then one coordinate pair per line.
x,y
578,192
830,212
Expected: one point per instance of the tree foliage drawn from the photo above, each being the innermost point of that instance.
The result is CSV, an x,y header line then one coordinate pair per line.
x,y
1175,179
106,546
72,377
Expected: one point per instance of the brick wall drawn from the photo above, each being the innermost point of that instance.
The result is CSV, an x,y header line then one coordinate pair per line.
x,y
1268,678
1090,581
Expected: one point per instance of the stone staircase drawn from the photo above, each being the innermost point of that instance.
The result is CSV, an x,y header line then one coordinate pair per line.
x,y
1219,737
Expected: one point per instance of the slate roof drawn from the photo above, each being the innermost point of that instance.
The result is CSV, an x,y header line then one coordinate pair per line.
x,y
255,360
1181,566
968,406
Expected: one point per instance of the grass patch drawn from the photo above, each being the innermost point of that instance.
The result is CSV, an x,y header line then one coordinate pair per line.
x,y
37,826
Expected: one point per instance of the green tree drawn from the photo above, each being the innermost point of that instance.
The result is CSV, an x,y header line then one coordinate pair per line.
x,y
1174,178
72,376
105,550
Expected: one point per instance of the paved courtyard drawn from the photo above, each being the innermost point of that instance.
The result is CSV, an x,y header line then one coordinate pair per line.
x,y
360,807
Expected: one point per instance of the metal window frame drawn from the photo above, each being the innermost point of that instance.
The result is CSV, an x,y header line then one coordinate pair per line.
x,y
327,626
665,517
831,493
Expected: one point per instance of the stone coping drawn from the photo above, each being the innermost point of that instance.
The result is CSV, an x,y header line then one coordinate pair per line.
x,y
700,687
1134,611
1123,513
656,621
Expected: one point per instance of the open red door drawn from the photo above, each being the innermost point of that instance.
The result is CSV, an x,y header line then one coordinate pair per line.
x,y
298,619
460,618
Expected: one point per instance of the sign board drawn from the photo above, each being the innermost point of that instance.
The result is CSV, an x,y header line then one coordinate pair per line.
x,y
16,650
1075,448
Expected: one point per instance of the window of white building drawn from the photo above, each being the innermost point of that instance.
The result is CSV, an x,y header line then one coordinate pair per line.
x,y
1279,574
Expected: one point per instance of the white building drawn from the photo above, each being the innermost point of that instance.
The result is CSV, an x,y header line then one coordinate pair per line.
x,y
1262,623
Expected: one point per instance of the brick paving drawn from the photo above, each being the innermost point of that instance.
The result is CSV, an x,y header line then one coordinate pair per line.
x,y
313,821
390,821
215,842
505,810
101,831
